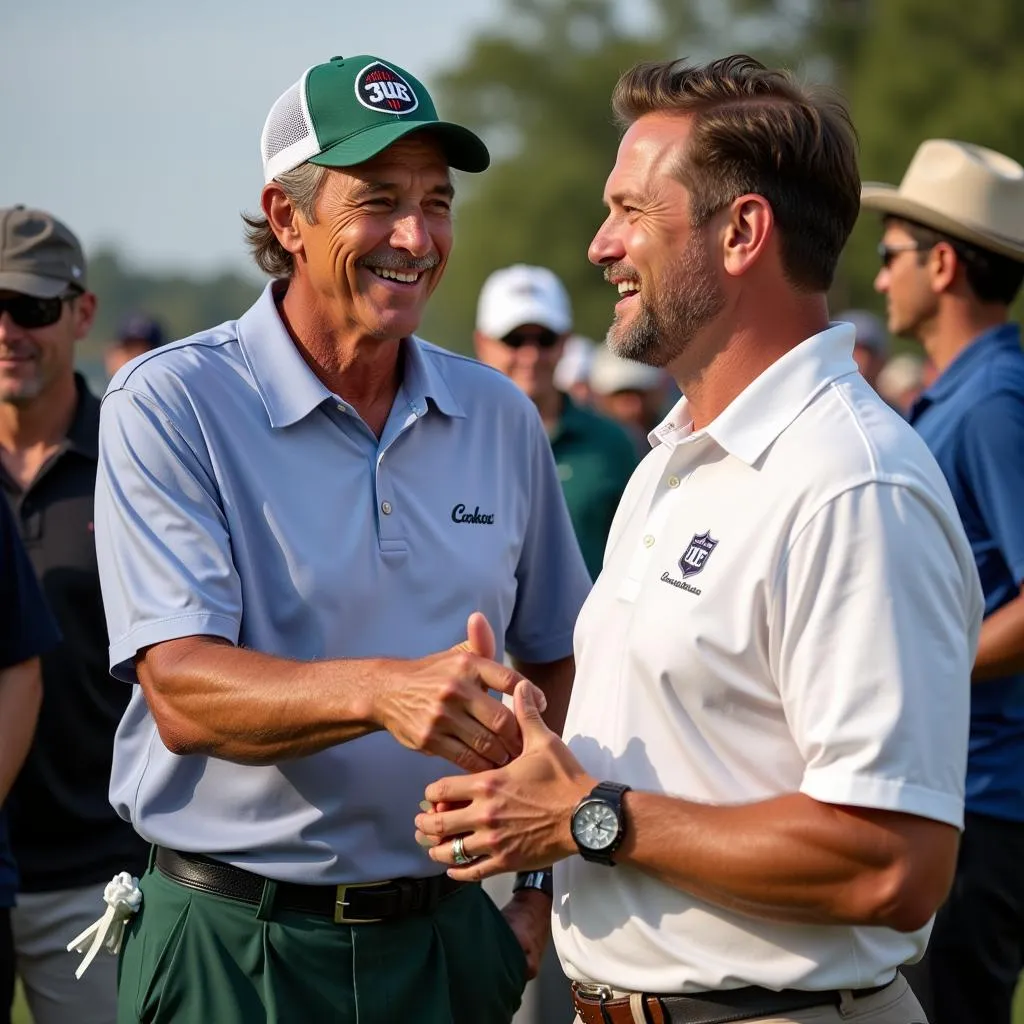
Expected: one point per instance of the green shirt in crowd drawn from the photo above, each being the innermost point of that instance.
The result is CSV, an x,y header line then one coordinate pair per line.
x,y
596,458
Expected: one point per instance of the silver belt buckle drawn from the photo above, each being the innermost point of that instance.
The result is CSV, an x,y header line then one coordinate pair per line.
x,y
593,990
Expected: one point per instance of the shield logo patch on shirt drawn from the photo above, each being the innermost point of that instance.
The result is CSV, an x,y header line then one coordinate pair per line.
x,y
697,554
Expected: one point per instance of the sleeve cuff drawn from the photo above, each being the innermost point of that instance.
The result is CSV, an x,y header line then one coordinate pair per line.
x,y
884,795
541,652
123,651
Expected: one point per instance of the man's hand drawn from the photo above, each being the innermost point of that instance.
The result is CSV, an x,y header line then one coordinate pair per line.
x,y
512,819
440,704
529,916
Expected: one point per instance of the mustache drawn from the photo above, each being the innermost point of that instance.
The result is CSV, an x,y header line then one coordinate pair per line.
x,y
621,272
396,261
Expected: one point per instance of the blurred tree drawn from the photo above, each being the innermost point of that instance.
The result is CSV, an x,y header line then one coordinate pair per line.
x,y
183,305
931,69
538,87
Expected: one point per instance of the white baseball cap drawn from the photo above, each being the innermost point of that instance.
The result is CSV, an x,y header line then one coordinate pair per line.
x,y
519,295
610,373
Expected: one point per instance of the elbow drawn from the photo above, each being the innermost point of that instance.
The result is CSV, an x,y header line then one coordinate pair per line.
x,y
906,894
176,733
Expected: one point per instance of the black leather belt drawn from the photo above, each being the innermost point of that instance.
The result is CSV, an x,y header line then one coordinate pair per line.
x,y
703,1007
355,903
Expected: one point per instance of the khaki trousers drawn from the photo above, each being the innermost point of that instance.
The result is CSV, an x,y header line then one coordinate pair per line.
x,y
894,1005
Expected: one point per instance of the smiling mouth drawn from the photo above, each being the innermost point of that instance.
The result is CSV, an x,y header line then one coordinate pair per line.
x,y
401,276
627,288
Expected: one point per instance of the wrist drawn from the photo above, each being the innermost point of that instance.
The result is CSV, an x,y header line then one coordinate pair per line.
x,y
581,788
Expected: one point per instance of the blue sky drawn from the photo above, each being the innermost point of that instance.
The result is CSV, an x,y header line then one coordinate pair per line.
x,y
138,123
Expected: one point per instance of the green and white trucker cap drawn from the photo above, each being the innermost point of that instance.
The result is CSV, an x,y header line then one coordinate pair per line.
x,y
349,109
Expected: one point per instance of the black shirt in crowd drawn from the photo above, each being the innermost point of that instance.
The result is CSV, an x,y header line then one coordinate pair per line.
x,y
64,832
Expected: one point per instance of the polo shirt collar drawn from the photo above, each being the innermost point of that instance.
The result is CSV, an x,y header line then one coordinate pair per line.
x,y
979,351
290,390
748,426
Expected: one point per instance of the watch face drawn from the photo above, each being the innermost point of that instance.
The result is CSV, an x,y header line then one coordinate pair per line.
x,y
595,825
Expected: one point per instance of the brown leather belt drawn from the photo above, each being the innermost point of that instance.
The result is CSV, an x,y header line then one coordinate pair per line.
x,y
356,903
706,1007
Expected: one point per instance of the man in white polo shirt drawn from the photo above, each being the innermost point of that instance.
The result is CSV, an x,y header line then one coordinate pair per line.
x,y
756,809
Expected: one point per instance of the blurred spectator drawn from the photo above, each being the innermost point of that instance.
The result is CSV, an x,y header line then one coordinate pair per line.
x,y
26,631
66,837
523,320
901,381
138,334
572,371
630,393
952,253
871,349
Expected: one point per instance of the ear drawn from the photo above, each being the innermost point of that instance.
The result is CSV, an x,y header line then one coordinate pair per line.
x,y
84,314
942,264
747,233
284,219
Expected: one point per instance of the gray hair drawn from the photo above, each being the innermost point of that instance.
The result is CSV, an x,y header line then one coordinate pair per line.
x,y
302,187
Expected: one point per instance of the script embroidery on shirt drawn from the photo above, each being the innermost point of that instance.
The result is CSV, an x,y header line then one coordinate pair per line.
x,y
460,515
681,584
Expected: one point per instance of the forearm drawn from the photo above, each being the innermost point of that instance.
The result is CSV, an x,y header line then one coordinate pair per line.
x,y
209,697
794,859
21,693
555,679
1001,643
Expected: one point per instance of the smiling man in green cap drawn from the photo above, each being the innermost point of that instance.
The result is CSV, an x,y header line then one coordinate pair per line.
x,y
300,516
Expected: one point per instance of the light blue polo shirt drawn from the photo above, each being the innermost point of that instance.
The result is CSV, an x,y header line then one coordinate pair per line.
x,y
238,497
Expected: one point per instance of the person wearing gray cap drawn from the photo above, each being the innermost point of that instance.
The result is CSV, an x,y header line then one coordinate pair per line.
x,y
631,393
64,833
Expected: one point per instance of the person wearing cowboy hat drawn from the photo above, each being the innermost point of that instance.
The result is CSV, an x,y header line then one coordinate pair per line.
x,y
952,255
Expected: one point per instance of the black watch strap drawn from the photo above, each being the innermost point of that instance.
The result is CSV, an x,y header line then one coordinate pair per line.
x,y
540,879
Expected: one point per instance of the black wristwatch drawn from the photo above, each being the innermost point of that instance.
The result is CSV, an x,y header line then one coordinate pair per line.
x,y
598,823
540,880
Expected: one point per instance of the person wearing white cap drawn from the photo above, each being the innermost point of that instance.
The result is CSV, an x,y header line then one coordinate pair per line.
x,y
952,255
524,319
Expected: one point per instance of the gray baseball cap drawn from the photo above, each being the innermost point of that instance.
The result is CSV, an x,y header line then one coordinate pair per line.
x,y
39,255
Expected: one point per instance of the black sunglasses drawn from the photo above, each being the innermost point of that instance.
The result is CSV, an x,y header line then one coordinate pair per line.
x,y
543,338
887,252
30,312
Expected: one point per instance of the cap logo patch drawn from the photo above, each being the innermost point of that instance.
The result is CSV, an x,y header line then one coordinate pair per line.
x,y
381,88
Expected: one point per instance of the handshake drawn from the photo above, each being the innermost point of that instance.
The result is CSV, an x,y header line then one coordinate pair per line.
x,y
440,704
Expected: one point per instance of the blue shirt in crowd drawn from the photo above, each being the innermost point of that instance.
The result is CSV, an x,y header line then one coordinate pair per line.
x,y
972,419
26,631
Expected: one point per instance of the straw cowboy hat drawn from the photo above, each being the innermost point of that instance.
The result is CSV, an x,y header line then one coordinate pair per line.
x,y
971,193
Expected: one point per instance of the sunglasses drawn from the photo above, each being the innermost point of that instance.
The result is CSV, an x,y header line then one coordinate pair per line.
x,y
543,338
887,252
29,312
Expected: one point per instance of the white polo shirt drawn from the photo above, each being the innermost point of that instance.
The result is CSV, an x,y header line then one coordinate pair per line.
x,y
788,603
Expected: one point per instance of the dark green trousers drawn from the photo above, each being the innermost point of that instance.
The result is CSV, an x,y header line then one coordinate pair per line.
x,y
192,958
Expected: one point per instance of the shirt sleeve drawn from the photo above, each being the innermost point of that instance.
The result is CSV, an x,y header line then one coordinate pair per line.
x,y
993,464
162,543
28,629
552,578
875,624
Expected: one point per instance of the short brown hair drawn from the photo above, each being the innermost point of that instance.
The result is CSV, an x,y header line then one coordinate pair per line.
x,y
302,187
756,130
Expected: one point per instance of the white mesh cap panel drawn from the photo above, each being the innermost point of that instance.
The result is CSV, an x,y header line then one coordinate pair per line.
x,y
288,137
